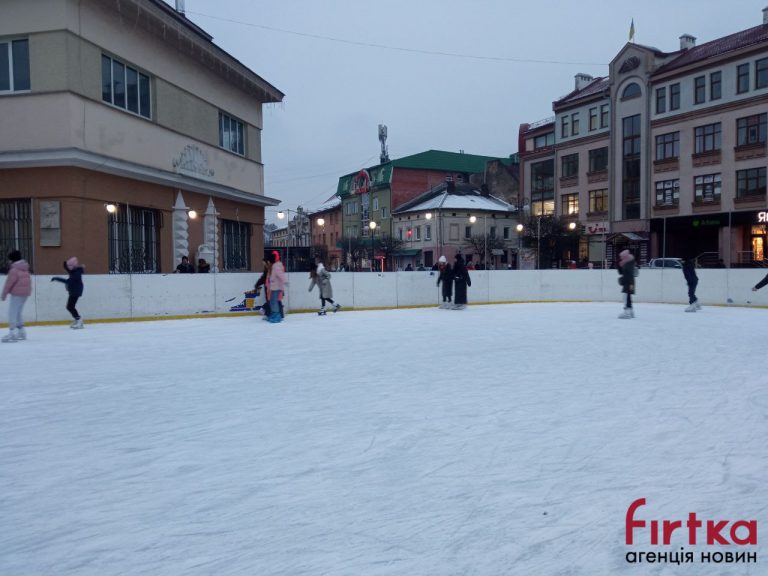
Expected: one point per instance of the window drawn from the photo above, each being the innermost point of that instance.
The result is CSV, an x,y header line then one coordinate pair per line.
x,y
544,141
237,245
569,204
467,232
707,138
604,116
399,233
598,159
598,201
699,89
668,193
631,91
570,166
707,188
506,232
592,119
14,65
661,100
674,96
631,167
575,124
375,203
761,73
383,211
543,187
418,232
15,229
751,130
493,232
453,232
715,85
231,134
134,240
742,78
750,182
125,87
668,146
428,232
564,127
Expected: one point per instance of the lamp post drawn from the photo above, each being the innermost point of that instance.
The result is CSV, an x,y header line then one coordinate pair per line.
x,y
372,226
281,214
519,229
321,222
472,220
428,216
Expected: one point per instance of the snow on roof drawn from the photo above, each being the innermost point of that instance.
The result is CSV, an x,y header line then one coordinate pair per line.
x,y
462,202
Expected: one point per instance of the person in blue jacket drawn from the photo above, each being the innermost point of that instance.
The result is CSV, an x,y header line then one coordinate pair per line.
x,y
74,284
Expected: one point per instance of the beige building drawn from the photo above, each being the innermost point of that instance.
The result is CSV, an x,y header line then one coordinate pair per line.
x,y
665,156
128,107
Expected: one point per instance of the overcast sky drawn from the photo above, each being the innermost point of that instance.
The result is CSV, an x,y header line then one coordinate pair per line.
x,y
338,92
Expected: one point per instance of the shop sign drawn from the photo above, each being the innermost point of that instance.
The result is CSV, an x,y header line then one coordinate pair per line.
x,y
596,228
762,217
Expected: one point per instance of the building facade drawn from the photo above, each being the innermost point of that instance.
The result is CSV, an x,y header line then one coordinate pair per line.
x,y
122,122
326,225
682,137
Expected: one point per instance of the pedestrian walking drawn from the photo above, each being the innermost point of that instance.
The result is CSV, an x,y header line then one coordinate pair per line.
x,y
74,284
445,276
18,285
461,280
627,272
689,271
321,278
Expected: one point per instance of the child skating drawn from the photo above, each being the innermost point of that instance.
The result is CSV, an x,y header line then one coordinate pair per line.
x,y
18,284
322,278
74,284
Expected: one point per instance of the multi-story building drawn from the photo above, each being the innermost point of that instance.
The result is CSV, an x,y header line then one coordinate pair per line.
x,y
456,218
327,232
120,121
685,135
371,194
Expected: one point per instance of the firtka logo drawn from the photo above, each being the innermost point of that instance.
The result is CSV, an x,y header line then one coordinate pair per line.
x,y
741,532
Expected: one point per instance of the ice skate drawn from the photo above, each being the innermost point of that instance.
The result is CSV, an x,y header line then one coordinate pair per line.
x,y
9,338
698,306
321,312
628,313
459,306
691,308
336,307
21,334
77,324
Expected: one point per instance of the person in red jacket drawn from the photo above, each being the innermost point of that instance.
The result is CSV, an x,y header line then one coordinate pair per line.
x,y
18,284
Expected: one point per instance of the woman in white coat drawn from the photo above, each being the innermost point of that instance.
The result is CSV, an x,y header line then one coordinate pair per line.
x,y
322,278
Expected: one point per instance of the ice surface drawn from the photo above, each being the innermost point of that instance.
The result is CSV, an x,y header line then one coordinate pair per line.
x,y
491,441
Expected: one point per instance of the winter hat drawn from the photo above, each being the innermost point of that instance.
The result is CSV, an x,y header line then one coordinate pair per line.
x,y
73,263
14,256
625,256
274,257
442,259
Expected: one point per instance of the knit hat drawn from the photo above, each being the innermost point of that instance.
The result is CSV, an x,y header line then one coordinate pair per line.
x,y
14,256
73,263
625,256
442,259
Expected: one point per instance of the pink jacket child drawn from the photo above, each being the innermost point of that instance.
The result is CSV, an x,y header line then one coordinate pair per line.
x,y
18,284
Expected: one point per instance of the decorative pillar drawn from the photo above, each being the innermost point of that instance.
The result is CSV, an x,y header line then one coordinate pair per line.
x,y
211,233
180,230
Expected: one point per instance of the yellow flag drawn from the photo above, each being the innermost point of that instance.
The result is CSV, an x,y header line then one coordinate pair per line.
x,y
632,30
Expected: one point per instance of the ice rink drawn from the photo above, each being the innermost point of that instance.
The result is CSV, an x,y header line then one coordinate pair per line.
x,y
498,440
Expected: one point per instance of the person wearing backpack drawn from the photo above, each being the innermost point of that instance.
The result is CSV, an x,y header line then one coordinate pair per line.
x,y
627,274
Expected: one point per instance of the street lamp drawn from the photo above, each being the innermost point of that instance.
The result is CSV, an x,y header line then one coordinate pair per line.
x,y
372,226
428,216
473,219
519,229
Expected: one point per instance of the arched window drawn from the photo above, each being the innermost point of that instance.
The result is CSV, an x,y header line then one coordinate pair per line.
x,y
631,91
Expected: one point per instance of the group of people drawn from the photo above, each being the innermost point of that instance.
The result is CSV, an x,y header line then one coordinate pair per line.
x,y
628,271
18,285
454,279
186,267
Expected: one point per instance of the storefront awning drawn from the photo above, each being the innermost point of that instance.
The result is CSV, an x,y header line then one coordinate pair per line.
x,y
631,236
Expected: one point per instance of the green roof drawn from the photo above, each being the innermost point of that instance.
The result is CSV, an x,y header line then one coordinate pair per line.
x,y
381,174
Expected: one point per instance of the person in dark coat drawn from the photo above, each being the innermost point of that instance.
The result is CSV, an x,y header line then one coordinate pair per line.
x,y
74,284
689,271
627,280
446,277
184,267
202,266
461,280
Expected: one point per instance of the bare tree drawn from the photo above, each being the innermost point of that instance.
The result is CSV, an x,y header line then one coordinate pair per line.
x,y
354,249
483,244
387,246
549,235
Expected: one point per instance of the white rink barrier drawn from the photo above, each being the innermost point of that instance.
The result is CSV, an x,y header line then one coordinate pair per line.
x,y
156,295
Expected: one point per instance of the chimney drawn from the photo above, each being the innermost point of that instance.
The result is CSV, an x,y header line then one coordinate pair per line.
x,y
180,6
582,80
687,42
450,185
765,15
484,190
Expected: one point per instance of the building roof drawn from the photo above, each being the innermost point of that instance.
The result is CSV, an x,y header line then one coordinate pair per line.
x,y
332,203
597,86
718,47
463,197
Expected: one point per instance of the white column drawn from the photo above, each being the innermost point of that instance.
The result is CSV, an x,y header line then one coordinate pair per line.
x,y
211,233
180,229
